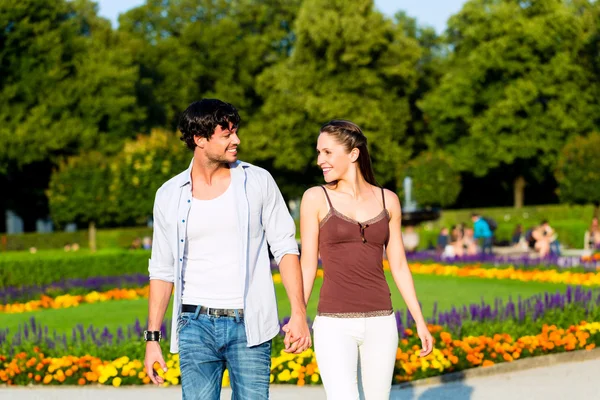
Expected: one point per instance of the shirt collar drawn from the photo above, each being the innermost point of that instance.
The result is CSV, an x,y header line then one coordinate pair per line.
x,y
186,177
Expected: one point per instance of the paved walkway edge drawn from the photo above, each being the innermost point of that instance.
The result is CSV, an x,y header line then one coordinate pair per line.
x,y
505,367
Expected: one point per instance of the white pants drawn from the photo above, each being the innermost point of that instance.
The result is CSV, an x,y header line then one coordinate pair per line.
x,y
353,350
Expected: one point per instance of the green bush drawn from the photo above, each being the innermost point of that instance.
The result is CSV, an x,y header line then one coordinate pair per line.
x,y
578,170
44,241
24,269
105,238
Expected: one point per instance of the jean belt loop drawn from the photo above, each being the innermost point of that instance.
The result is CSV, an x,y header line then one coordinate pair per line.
x,y
197,312
237,315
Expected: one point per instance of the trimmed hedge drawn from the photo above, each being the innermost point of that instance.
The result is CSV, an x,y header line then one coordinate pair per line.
x,y
105,239
20,269
569,221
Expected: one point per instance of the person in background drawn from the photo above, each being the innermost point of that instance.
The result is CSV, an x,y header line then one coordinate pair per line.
x,y
552,237
456,241
147,242
482,232
442,241
592,236
537,241
516,235
410,237
469,242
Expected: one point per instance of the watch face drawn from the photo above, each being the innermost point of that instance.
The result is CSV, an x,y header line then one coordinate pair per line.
x,y
154,336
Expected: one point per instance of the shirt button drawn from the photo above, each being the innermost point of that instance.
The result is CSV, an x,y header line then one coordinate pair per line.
x,y
181,240
181,259
183,220
189,201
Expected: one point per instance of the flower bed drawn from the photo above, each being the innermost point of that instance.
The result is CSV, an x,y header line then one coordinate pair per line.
x,y
588,262
475,271
450,354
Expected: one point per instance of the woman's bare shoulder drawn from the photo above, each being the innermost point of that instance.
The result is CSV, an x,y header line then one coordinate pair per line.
x,y
313,195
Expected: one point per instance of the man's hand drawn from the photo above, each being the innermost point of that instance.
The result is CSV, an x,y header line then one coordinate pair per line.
x,y
153,355
297,335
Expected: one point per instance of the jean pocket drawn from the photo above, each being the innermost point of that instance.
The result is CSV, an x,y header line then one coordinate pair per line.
x,y
182,322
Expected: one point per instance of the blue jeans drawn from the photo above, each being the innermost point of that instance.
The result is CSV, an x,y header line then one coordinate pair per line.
x,y
208,345
487,245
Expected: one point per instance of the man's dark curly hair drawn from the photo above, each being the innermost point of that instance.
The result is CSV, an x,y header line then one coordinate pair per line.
x,y
201,118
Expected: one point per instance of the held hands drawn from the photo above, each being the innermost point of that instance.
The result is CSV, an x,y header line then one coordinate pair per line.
x,y
297,335
154,355
426,339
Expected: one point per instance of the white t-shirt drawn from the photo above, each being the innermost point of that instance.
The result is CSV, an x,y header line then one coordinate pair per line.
x,y
211,267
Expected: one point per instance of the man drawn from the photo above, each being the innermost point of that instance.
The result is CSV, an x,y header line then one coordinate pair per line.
x,y
212,224
482,231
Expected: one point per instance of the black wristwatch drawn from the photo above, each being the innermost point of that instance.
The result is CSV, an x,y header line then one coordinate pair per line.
x,y
152,336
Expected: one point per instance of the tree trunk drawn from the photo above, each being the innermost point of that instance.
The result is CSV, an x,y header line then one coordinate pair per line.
x,y
92,236
519,192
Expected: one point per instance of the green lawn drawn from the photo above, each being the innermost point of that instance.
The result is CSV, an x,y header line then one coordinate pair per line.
x,y
447,291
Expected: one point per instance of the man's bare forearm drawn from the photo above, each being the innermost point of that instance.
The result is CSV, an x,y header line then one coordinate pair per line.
x,y
291,277
158,301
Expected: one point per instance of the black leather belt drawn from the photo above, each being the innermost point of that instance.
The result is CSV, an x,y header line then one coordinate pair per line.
x,y
215,312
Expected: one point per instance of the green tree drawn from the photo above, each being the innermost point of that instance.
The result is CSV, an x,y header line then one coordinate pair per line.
x,y
435,181
518,84
67,85
78,192
64,82
349,62
189,49
429,68
578,170
140,169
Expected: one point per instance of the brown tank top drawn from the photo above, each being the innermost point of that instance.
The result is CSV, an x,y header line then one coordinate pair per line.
x,y
354,283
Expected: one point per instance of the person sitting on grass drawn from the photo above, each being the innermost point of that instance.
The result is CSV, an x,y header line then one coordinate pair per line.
x,y
592,236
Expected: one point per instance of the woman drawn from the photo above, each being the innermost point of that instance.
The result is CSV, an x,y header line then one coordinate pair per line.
x,y
592,236
457,240
349,221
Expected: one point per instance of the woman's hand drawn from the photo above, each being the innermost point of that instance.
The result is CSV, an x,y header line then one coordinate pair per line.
x,y
426,339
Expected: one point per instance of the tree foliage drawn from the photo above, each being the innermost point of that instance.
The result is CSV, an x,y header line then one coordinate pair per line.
x,y
349,62
190,49
140,169
578,170
518,84
435,181
66,85
79,191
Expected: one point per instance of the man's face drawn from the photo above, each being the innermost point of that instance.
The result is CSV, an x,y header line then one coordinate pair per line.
x,y
222,146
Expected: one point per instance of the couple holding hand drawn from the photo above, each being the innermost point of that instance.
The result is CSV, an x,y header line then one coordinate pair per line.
x,y
212,225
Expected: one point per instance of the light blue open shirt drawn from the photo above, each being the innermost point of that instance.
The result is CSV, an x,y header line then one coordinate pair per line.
x,y
263,218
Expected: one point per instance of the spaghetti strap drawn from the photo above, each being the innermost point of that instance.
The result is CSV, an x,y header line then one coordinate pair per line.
x,y
328,199
383,197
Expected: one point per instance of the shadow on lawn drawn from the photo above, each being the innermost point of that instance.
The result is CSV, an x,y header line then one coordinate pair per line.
x,y
451,388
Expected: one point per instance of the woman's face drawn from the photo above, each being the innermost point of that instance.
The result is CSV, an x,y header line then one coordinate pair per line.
x,y
332,158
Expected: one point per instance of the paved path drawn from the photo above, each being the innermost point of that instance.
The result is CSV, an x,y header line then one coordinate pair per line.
x,y
570,381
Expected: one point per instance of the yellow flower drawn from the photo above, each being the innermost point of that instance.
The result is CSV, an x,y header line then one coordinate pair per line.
x,y
284,376
116,382
315,378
